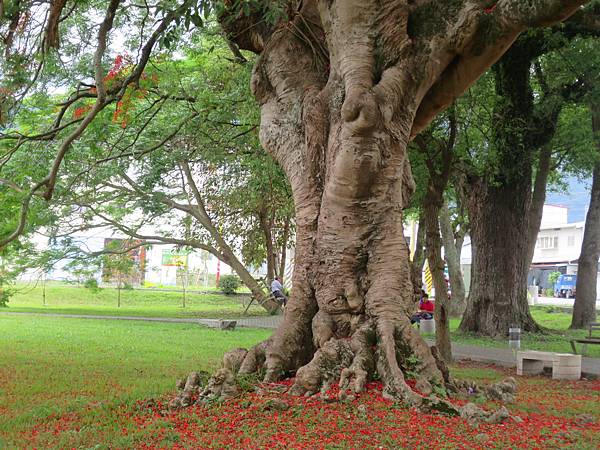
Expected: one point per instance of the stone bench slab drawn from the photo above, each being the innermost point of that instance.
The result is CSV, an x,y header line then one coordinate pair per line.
x,y
564,365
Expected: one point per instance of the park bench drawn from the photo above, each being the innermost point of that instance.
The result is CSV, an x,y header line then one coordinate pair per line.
x,y
565,366
590,339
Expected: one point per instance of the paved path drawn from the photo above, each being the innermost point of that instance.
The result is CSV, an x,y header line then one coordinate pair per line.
x,y
560,302
500,356
270,322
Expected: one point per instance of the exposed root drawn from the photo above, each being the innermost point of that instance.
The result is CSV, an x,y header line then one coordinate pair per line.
x,y
224,383
325,367
188,388
254,360
392,351
474,415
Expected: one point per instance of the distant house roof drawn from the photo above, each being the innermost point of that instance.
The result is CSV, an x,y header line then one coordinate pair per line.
x,y
561,226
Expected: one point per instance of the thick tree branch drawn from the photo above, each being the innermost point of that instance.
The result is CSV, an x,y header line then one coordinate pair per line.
x,y
52,36
496,32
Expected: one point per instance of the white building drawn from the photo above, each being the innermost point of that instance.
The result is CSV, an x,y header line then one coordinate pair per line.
x,y
558,242
160,265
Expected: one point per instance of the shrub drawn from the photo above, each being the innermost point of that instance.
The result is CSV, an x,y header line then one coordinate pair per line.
x,y
91,284
127,286
553,277
5,294
549,292
228,284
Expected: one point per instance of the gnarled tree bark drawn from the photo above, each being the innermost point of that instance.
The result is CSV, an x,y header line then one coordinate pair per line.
x,y
343,86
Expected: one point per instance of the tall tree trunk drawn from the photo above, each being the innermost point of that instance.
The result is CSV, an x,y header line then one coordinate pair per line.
x,y
498,293
536,209
257,291
184,279
44,289
222,250
433,203
458,301
271,252
118,289
584,309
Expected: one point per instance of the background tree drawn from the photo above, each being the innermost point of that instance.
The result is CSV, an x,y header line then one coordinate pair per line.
x,y
436,145
505,204
453,234
584,308
175,168
118,264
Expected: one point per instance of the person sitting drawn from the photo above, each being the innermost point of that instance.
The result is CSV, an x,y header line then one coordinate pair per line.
x,y
277,291
426,308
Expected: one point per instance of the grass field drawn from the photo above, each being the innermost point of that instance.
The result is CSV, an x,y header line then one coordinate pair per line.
x,y
53,366
71,299
72,383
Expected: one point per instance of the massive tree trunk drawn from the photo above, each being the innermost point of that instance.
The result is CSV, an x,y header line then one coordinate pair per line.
x,y
343,86
584,309
458,301
498,294
505,228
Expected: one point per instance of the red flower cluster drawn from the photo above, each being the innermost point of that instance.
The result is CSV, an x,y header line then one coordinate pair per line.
x,y
81,111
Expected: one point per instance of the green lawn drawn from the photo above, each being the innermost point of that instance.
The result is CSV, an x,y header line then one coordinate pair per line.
x,y
75,383
70,299
555,340
52,365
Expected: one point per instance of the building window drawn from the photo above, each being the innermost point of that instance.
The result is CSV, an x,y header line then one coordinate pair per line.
x,y
547,242
571,241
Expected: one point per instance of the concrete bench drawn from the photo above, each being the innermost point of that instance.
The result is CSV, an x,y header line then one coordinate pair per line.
x,y
565,366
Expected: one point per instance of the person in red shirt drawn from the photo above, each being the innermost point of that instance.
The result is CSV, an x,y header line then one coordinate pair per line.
x,y
426,304
426,308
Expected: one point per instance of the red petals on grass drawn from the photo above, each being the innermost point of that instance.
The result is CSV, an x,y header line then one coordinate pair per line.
x,y
551,412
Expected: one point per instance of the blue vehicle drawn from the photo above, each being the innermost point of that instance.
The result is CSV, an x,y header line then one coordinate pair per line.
x,y
565,286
